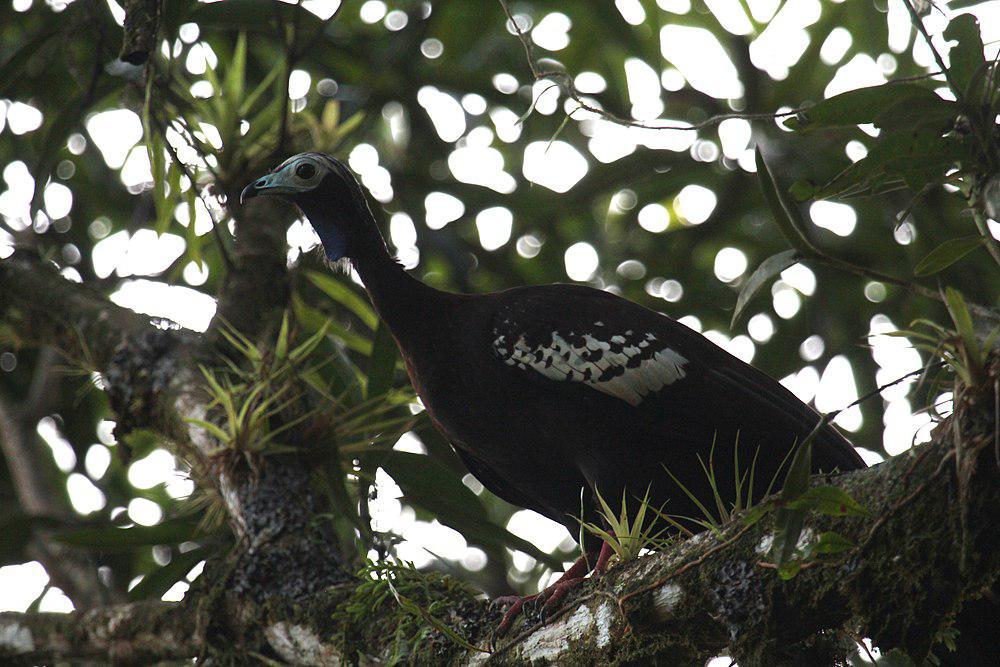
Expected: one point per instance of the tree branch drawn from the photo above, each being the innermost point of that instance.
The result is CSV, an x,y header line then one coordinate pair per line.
x,y
137,633
79,322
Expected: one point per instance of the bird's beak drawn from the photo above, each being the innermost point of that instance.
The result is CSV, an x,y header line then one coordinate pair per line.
x,y
268,184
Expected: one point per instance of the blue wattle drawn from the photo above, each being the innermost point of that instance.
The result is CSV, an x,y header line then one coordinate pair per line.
x,y
333,243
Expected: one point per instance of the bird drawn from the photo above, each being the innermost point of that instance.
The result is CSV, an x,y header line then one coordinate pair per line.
x,y
553,394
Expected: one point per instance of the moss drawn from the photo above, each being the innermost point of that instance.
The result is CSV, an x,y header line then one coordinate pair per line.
x,y
407,616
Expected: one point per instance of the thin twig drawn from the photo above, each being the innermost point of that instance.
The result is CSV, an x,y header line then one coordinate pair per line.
x,y
565,83
227,260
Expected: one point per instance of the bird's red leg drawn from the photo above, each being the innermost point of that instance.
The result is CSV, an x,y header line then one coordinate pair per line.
x,y
603,558
554,593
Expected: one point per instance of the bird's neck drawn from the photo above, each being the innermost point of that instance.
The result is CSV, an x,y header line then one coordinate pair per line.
x,y
348,228
408,306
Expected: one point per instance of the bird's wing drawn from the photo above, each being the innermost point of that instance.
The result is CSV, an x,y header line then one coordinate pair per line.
x,y
590,339
575,334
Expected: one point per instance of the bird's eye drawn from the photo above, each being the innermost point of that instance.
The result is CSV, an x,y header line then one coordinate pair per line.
x,y
305,171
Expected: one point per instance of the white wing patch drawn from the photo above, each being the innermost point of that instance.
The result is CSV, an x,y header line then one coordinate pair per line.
x,y
627,366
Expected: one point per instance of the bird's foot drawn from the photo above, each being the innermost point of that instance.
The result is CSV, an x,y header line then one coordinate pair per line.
x,y
539,605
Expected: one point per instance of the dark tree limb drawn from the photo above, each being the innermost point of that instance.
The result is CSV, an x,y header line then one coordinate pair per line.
x,y
924,563
78,321
129,634
142,20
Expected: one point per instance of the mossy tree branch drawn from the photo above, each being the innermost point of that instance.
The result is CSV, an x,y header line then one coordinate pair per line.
x,y
921,572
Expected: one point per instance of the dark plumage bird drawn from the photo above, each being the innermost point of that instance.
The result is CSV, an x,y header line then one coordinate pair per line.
x,y
550,392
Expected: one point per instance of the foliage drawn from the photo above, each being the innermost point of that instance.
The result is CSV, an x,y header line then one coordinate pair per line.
x,y
423,598
629,534
213,110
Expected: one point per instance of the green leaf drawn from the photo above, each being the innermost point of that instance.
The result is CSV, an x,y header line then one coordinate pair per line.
x,y
111,538
382,363
828,500
947,254
788,569
963,325
788,521
430,485
345,296
832,542
16,531
767,270
967,64
785,212
870,105
159,581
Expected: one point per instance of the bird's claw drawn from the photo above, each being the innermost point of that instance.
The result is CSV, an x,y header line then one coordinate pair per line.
x,y
538,606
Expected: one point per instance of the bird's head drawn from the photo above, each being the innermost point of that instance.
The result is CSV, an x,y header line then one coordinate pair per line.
x,y
328,194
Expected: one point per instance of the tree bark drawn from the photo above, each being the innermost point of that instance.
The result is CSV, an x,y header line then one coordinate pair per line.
x,y
927,548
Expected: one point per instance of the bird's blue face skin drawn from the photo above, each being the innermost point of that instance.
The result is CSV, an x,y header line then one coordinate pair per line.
x,y
296,180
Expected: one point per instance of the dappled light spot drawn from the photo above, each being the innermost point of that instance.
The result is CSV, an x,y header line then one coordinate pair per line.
x,y
136,174
801,278
403,234
834,216
643,89
494,226
155,468
544,533
590,83
21,584
83,495
507,124
481,165
734,133
187,307
55,602
632,11
730,264
654,218
529,246
695,203
812,348
58,200
97,460
837,389
299,83
62,450
803,384
545,97
474,103
144,512
23,118
785,300
785,39
730,16
875,291
505,83
581,261
860,71
200,57
557,166
552,32
15,201
631,269
761,327
835,45
441,208
372,11
445,112
691,322
701,59
115,132
904,233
